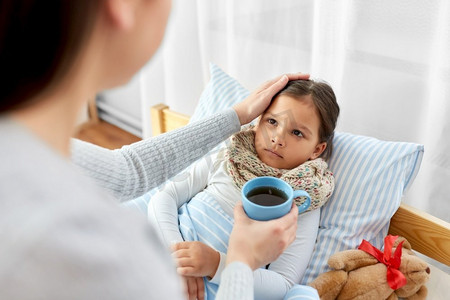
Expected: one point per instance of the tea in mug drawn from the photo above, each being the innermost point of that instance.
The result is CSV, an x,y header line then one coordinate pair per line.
x,y
267,196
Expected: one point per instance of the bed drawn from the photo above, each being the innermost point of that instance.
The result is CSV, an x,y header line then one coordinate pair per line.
x,y
371,178
428,235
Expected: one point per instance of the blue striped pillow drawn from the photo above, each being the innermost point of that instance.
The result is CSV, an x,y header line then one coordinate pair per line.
x,y
140,204
221,92
371,177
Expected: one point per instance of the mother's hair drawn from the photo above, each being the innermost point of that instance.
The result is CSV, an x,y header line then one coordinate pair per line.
x,y
39,42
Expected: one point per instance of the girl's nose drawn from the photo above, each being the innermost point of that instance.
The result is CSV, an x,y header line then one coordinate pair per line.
x,y
278,140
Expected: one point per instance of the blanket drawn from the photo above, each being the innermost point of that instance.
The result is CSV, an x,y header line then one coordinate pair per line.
x,y
202,219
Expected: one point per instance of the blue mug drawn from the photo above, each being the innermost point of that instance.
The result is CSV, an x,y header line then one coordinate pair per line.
x,y
263,201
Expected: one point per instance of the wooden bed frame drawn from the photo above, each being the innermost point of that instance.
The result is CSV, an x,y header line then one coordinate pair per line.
x,y
426,233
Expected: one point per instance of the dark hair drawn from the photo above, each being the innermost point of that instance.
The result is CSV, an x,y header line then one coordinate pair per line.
x,y
39,42
325,102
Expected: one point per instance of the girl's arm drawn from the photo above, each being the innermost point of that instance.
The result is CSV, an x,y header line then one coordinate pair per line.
x,y
135,169
163,206
289,268
163,215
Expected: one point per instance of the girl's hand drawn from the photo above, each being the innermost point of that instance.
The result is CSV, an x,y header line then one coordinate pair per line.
x,y
255,104
258,243
195,259
194,287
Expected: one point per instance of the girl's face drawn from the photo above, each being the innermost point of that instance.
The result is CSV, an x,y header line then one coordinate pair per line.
x,y
287,134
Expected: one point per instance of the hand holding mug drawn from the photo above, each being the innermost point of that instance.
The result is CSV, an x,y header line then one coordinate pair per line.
x,y
258,243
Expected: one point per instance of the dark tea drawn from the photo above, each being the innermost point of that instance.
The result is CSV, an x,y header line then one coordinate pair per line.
x,y
267,196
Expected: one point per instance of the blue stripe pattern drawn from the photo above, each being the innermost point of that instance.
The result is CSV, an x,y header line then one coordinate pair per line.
x,y
371,177
140,204
221,92
303,292
202,219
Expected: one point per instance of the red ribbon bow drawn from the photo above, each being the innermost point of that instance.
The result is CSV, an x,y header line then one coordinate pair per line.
x,y
395,278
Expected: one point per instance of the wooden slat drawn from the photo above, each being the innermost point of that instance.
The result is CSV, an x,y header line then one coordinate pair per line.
x,y
92,109
165,120
157,119
174,120
427,234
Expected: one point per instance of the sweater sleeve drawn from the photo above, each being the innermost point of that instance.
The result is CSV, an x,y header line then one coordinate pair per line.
x,y
288,269
135,169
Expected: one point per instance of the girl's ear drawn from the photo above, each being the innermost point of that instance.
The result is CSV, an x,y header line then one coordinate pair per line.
x,y
318,150
121,13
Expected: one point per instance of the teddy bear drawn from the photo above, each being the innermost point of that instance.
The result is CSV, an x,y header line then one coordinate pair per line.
x,y
368,273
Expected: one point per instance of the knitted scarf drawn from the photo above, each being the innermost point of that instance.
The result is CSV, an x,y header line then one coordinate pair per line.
x,y
312,176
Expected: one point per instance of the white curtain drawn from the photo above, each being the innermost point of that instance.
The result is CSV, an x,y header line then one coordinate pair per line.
x,y
388,62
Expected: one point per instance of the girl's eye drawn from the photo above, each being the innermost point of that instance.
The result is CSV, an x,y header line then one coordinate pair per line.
x,y
272,121
297,133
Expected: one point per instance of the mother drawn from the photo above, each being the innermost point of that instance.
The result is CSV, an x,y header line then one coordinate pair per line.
x,y
61,236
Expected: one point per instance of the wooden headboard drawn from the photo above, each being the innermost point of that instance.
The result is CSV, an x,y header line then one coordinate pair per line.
x,y
426,233
164,119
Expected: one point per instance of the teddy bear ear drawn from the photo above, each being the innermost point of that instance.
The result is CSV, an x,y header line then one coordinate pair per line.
x,y
405,245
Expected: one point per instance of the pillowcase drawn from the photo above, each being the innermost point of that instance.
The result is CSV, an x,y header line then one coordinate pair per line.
x,y
371,177
140,204
221,92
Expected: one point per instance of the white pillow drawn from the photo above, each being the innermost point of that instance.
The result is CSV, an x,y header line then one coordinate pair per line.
x,y
371,177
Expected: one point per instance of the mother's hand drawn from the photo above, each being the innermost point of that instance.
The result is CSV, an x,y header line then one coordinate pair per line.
x,y
255,104
258,243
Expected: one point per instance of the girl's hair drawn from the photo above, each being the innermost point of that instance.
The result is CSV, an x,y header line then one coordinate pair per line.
x,y
325,102
39,42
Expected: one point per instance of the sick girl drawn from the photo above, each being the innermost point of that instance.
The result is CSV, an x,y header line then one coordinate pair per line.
x,y
292,140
